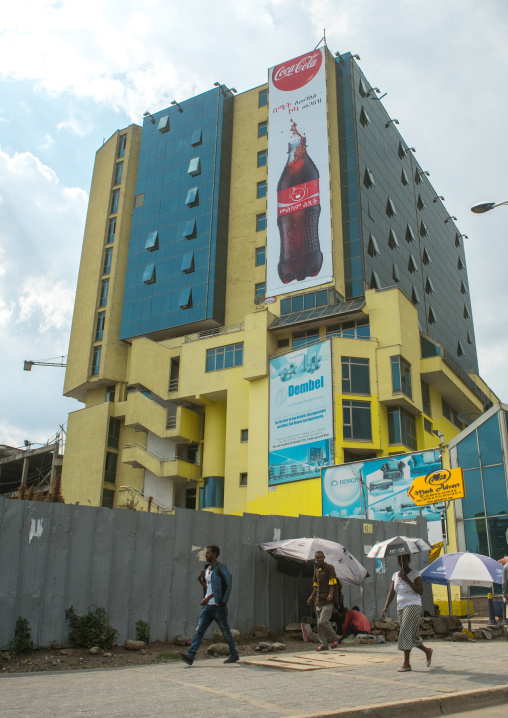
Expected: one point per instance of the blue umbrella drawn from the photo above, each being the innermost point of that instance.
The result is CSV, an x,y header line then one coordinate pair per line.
x,y
463,569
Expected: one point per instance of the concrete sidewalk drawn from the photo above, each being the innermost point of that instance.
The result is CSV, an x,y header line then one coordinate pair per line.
x,y
214,689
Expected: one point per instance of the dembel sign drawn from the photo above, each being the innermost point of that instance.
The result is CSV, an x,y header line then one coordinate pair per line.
x,y
439,486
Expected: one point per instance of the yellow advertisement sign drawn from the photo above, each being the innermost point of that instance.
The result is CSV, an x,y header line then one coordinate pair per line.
x,y
439,486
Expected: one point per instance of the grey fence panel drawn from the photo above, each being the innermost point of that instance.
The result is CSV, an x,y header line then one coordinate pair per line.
x,y
81,548
159,588
125,538
102,558
142,561
11,550
55,578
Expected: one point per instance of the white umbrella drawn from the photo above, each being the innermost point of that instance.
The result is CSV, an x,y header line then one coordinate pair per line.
x,y
302,550
398,545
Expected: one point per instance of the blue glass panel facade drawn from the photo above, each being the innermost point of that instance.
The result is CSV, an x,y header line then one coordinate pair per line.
x,y
163,177
489,439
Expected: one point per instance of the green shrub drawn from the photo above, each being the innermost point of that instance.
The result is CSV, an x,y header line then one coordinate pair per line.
x,y
90,630
142,631
22,641
168,656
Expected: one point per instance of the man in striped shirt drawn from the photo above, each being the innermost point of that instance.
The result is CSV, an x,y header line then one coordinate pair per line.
x,y
325,592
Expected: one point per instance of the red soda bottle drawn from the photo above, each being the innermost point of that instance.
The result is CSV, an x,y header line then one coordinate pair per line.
x,y
298,211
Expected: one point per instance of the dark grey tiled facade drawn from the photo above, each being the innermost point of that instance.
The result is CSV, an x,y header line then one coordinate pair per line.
x,y
427,262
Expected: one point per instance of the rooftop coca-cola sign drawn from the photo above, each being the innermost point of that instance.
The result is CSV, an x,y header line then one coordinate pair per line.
x,y
296,73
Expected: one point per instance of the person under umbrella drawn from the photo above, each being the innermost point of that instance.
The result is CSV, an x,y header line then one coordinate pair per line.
x,y
408,586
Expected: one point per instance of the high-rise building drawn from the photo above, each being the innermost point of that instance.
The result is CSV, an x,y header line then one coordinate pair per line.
x,y
245,316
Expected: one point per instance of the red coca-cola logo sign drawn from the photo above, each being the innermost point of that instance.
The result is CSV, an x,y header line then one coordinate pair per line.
x,y
296,73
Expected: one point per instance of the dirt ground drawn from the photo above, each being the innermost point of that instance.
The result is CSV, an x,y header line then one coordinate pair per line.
x,y
58,659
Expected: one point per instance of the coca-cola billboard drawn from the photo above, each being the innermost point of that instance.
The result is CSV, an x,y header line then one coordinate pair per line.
x,y
299,242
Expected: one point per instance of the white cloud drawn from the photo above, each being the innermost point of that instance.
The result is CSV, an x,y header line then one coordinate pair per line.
x,y
48,142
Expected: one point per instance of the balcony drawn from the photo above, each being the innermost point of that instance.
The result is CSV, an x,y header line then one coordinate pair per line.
x,y
129,497
463,396
139,457
175,422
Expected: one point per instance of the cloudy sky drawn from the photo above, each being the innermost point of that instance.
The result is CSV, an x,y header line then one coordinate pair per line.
x,y
72,73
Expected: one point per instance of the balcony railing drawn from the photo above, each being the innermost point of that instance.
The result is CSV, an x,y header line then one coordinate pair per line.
x,y
215,332
171,422
173,385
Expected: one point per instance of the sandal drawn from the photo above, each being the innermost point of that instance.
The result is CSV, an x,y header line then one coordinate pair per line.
x,y
403,670
429,659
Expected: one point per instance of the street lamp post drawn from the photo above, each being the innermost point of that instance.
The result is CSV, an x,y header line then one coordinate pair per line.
x,y
482,207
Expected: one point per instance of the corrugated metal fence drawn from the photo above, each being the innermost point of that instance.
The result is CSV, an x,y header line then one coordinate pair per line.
x,y
144,566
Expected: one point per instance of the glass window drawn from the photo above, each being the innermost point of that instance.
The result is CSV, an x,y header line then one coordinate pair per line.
x,y
262,158
96,360
412,266
373,247
114,432
403,178
115,201
110,468
224,357
356,423
192,198
152,242
111,231
263,98
401,428
259,289
194,167
99,327
427,425
497,537
260,256
368,178
285,306
282,343
243,479
426,257
409,234
463,288
261,189
473,504
108,257
355,376
420,203
476,536
149,275
401,151
108,498
415,297
364,117
393,242
301,339
190,229
110,393
489,438
103,299
163,125
423,229
122,144
494,488
390,208
187,264
431,316
395,273
139,200
450,414
263,129
401,376
185,299
196,137
260,222
244,434
426,398
118,173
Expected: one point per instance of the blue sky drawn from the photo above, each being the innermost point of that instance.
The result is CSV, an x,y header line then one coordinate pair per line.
x,y
72,73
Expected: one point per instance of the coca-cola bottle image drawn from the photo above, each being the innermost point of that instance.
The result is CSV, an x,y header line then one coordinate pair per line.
x,y
298,211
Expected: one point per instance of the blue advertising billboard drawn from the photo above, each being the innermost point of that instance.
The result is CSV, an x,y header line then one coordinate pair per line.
x,y
301,414
376,489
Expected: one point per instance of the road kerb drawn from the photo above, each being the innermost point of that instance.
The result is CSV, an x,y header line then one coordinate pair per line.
x,y
422,707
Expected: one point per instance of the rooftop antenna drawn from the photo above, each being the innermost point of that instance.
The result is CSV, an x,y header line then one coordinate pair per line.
x,y
323,39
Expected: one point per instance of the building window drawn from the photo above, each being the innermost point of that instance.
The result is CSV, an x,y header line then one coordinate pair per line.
x,y
263,129
364,117
194,167
463,288
108,257
375,282
111,231
426,398
395,273
262,158
429,287
460,349
373,247
164,125
393,242
368,178
415,297
390,208
355,376
243,479
261,189
152,242
403,178
110,393
244,434
149,274
115,201
139,200
466,312
110,467
263,98
108,498
353,330
401,376
427,425
301,339
114,432
96,360
420,203
185,299
431,316
426,257
282,343
401,428
423,229
401,151
260,256
259,289
356,424
189,231
122,144
410,237
361,88
103,299
190,498
99,327
260,222
187,265
224,357
310,300
118,173
411,265
196,137
452,415
192,199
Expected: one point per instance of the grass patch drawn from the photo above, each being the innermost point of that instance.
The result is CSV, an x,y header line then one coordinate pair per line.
x,y
168,656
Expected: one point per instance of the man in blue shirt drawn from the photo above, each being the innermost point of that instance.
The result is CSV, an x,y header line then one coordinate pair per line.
x,y
216,582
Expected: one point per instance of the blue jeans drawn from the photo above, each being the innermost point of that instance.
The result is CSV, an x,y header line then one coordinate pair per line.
x,y
219,614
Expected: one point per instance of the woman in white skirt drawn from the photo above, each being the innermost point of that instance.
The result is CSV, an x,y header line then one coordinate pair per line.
x,y
408,586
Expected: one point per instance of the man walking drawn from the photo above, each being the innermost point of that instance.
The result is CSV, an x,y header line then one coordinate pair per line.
x,y
216,582
325,593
